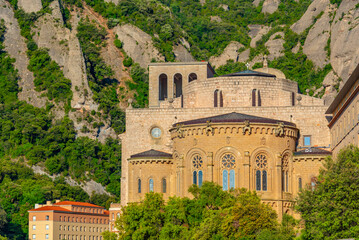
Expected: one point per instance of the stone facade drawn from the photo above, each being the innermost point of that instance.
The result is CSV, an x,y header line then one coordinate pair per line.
x,y
152,150
343,126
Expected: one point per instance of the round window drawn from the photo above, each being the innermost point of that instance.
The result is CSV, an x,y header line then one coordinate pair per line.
x,y
156,132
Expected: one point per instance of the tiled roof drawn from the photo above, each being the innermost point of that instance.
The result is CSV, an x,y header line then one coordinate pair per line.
x,y
77,204
106,212
313,151
152,153
50,208
234,118
249,73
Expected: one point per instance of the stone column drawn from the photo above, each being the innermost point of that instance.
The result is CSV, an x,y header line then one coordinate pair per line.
x,y
277,184
180,177
210,166
170,86
246,179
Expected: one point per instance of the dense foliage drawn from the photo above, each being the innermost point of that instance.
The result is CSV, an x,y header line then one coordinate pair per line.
x,y
211,214
331,210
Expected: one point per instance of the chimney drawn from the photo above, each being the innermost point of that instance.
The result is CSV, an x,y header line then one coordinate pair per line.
x,y
48,203
57,201
37,205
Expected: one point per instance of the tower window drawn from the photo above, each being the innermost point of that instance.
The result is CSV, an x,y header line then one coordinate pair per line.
x,y
259,98
177,85
162,87
192,77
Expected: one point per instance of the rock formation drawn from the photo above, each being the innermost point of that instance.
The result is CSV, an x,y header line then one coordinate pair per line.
x,y
229,53
16,47
314,9
314,45
344,43
30,5
138,44
113,1
182,54
270,6
275,45
256,32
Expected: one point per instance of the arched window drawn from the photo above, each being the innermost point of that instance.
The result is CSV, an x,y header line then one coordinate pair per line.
x,y
228,173
200,178
139,185
258,180
225,180
259,98
215,98
285,172
177,85
254,97
261,162
300,184
117,216
192,77
164,185
197,166
162,91
151,185
195,177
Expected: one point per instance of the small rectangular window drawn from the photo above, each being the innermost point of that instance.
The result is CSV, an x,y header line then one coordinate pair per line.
x,y
47,227
47,236
33,227
307,141
47,217
33,236
33,218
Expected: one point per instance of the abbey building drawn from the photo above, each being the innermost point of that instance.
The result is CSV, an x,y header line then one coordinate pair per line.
x,y
248,129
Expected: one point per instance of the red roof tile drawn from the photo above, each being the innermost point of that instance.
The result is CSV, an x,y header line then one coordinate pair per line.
x,y
106,212
50,208
77,204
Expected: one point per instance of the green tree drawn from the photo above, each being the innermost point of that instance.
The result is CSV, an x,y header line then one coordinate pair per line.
x,y
331,210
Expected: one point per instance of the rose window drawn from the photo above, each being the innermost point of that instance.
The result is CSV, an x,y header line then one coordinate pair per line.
x,y
197,161
228,161
261,161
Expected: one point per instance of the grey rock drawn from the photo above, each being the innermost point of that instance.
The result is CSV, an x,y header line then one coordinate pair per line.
x,y
314,45
275,46
270,6
113,1
138,44
344,44
224,6
330,79
16,47
256,32
216,19
296,48
314,9
229,53
182,54
256,2
30,5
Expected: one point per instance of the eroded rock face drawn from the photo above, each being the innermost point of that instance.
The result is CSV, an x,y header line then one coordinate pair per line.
x,y
256,2
113,1
229,53
256,33
330,79
270,6
344,44
16,47
314,45
296,48
138,44
314,9
30,5
182,54
275,45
